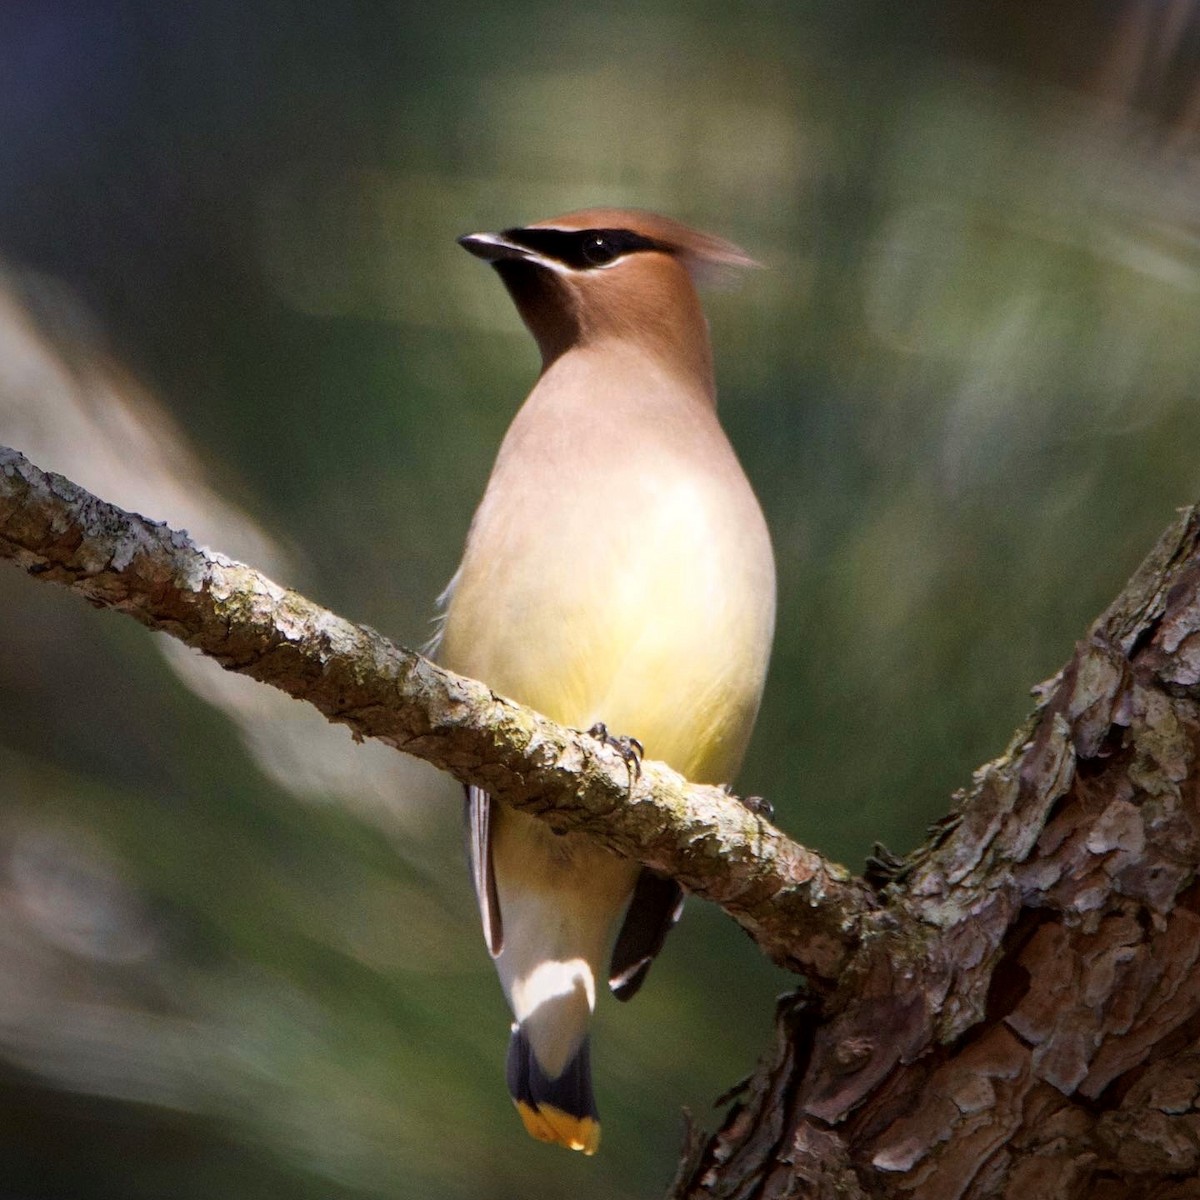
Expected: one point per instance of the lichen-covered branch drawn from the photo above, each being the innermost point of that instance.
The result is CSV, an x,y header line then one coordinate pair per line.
x,y
803,911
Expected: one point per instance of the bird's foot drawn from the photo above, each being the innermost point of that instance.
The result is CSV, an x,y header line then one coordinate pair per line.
x,y
629,748
758,805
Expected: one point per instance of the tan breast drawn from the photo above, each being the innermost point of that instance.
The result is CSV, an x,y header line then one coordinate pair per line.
x,y
619,569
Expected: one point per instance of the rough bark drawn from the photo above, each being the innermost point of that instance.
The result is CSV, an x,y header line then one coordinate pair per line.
x,y
1013,1011
1029,1025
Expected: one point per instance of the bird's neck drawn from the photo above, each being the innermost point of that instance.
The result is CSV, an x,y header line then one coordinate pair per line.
x,y
665,327
663,324
627,381
668,340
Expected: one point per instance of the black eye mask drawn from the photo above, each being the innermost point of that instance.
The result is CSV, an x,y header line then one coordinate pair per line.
x,y
582,249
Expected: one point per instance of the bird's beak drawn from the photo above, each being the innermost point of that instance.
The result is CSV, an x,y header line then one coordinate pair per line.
x,y
492,247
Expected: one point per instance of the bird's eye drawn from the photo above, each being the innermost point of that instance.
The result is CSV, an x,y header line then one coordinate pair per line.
x,y
598,250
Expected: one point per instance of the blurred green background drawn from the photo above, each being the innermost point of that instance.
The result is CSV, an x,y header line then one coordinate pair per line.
x,y
238,954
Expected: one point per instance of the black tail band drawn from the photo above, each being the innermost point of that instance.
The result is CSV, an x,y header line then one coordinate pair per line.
x,y
571,1092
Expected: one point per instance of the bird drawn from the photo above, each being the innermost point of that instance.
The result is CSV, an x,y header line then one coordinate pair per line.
x,y
617,574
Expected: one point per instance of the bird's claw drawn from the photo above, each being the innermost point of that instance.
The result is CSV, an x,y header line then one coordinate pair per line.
x,y
758,805
629,748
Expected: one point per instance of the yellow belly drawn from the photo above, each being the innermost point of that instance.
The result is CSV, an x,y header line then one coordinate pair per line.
x,y
659,627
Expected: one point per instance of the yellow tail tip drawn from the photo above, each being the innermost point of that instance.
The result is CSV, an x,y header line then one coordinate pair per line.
x,y
550,1124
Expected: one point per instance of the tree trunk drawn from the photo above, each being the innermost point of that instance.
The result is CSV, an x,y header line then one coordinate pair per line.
x,y
1030,1027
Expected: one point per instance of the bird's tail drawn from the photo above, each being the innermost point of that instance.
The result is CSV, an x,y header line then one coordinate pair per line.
x,y
560,1109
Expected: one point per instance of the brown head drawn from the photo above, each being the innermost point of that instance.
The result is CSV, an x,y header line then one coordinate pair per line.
x,y
605,273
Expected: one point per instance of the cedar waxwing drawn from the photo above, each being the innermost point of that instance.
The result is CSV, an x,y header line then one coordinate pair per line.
x,y
618,570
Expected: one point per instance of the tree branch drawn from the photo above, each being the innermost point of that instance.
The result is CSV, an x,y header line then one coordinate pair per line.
x,y
806,913
1018,1012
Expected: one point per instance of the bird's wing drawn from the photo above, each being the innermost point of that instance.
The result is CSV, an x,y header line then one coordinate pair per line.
x,y
656,905
479,852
